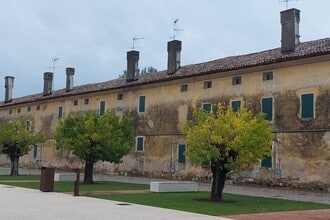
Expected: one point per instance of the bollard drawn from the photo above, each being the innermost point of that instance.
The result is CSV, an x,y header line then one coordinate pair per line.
x,y
76,183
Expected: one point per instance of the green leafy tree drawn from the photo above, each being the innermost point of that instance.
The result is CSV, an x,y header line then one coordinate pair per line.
x,y
17,140
92,137
228,141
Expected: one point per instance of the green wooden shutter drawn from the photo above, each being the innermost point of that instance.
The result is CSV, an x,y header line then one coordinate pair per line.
x,y
28,125
307,106
207,107
102,107
35,151
60,112
139,144
267,108
267,162
181,153
236,105
142,104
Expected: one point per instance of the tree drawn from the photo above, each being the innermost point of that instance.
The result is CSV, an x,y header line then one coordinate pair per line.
x,y
228,141
94,137
149,69
16,140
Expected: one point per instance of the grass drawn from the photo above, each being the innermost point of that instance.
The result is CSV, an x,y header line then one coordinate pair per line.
x,y
68,186
199,203
20,177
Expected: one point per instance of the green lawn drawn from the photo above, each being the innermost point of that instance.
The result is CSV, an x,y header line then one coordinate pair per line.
x,y
68,186
198,203
20,177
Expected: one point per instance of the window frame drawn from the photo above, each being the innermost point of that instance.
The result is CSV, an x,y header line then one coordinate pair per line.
x,y
60,112
234,101
236,80
265,76
184,88
302,106
142,104
137,142
207,84
272,108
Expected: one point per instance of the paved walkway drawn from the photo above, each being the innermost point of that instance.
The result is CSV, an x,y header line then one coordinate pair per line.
x,y
25,204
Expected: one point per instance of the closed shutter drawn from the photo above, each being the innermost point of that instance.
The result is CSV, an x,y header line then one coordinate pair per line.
x,y
207,107
142,104
181,153
307,106
139,144
102,107
236,105
267,108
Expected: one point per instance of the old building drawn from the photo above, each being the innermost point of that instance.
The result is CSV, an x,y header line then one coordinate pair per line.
x,y
290,84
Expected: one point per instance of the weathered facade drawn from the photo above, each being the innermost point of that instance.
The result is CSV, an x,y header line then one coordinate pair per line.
x,y
290,84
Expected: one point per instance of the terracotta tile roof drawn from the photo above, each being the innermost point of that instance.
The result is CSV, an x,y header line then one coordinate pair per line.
x,y
303,50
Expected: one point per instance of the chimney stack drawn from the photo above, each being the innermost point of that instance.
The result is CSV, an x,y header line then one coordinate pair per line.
x,y
48,83
9,84
132,65
290,29
69,79
174,57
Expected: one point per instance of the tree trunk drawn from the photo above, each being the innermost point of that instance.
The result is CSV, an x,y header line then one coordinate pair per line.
x,y
88,176
14,165
218,183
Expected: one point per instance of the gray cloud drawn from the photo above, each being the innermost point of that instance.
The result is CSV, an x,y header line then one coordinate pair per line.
x,y
93,36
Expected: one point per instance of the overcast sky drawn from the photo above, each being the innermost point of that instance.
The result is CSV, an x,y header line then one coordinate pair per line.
x,y
93,36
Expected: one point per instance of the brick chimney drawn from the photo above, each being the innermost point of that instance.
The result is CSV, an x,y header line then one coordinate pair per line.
x,y
48,83
69,79
174,57
290,29
9,84
132,65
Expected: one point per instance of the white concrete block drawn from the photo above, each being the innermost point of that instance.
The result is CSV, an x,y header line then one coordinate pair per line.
x,y
173,186
67,177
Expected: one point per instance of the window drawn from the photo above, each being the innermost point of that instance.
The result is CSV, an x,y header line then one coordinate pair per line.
x,y
139,143
307,106
267,162
142,104
38,107
267,108
102,107
237,80
75,102
120,96
207,107
10,111
35,151
18,110
29,108
86,101
267,76
28,123
181,153
207,84
184,88
236,105
60,112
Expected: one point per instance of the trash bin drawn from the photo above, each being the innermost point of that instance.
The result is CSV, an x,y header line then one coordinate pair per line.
x,y
47,179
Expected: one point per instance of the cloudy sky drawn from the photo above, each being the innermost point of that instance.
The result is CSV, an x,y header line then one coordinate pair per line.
x,y
93,36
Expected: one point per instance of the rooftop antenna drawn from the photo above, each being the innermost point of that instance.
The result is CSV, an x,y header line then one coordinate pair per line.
x,y
54,61
176,30
287,2
135,38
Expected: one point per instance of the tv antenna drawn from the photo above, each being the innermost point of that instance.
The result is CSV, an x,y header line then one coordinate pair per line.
x,y
287,2
54,61
135,39
176,30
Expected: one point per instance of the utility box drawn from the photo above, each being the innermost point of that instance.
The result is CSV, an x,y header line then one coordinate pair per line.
x,y
47,179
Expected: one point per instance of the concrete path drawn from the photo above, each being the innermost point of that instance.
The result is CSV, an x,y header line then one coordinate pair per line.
x,y
25,204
